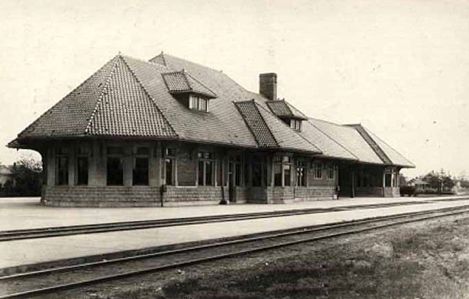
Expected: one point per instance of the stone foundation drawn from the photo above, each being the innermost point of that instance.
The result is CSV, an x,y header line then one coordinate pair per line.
x,y
147,196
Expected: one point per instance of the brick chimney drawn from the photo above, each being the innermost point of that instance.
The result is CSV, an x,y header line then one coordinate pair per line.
x,y
268,85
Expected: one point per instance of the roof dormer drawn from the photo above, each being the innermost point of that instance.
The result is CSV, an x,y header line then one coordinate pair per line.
x,y
287,113
188,90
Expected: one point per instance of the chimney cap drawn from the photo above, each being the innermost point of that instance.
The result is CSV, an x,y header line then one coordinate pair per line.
x,y
268,75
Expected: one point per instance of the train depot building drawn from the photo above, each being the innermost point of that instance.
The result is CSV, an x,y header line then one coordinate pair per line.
x,y
171,132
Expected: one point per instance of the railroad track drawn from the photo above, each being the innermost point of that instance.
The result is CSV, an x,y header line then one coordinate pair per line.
x,y
30,284
48,232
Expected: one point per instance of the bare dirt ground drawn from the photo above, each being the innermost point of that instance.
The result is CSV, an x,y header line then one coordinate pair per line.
x,y
424,260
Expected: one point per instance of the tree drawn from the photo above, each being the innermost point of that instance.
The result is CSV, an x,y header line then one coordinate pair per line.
x,y
402,180
439,181
27,177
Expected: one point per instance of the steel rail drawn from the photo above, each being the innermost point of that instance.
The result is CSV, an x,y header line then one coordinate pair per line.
x,y
48,232
426,215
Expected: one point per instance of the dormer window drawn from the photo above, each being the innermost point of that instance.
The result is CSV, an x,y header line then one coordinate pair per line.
x,y
291,116
198,103
188,91
295,124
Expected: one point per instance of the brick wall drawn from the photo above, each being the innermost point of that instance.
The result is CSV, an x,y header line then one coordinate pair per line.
x,y
134,196
314,193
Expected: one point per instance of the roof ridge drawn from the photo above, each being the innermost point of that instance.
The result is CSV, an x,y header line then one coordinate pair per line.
x,y
373,144
327,135
329,122
98,102
198,64
148,94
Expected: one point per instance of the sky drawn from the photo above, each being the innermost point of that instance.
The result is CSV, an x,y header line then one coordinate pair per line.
x,y
399,67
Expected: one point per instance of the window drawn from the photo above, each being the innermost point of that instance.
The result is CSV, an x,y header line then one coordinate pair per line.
x,y
282,168
198,103
62,167
235,169
115,166
82,165
295,124
140,171
170,156
330,172
387,180
206,168
317,170
82,170
277,171
300,174
256,173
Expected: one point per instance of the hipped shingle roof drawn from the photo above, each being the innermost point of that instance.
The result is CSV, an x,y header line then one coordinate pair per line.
x,y
129,97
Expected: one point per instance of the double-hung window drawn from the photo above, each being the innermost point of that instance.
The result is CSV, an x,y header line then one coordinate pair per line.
x,y
206,168
198,103
317,170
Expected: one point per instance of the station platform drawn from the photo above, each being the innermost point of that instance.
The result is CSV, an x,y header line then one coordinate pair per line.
x,y
27,213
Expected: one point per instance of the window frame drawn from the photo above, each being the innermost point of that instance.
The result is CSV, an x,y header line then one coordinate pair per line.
x,y
62,153
115,152
198,103
317,169
331,172
169,157
141,152
206,159
301,174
